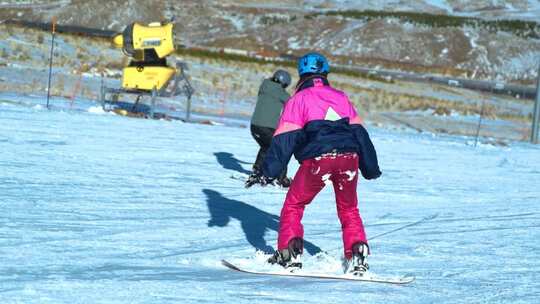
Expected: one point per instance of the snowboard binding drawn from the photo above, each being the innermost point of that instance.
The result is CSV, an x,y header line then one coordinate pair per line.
x,y
289,257
358,265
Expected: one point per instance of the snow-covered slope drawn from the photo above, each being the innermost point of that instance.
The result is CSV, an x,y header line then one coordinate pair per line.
x,y
98,208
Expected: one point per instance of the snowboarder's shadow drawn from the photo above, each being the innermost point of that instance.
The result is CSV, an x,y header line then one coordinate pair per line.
x,y
229,162
254,221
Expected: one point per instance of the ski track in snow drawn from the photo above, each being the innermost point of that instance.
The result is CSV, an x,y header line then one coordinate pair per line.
x,y
98,208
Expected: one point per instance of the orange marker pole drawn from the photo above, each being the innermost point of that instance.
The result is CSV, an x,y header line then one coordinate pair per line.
x,y
76,88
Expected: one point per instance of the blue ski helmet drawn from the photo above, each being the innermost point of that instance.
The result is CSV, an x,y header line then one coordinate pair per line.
x,y
313,63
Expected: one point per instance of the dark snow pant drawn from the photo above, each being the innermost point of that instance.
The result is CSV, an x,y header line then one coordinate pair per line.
x,y
263,136
340,170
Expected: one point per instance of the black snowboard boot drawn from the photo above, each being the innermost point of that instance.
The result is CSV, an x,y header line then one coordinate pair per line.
x,y
358,264
289,258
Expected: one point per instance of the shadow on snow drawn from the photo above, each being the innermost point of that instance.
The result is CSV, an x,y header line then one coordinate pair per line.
x,y
229,162
254,222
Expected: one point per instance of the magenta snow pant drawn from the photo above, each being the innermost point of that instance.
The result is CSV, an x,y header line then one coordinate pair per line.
x,y
342,171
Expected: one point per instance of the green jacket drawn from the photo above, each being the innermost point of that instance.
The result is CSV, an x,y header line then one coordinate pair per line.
x,y
270,101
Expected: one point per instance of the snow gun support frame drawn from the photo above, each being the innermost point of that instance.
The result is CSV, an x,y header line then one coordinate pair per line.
x,y
178,85
148,73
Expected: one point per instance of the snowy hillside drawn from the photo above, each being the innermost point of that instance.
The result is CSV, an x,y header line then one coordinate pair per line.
x,y
229,88
98,208
517,9
475,48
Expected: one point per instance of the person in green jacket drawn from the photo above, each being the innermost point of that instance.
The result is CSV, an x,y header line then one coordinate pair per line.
x,y
270,101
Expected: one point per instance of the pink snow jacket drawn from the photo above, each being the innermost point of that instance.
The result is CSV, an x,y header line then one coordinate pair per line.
x,y
319,119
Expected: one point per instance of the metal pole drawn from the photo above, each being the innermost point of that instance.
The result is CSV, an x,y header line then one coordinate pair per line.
x,y
536,113
102,93
153,102
51,60
479,122
188,109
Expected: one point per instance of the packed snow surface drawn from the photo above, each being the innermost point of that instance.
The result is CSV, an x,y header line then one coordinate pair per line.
x,y
99,208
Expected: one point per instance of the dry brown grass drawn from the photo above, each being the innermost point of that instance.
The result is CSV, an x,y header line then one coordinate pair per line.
x,y
239,79
373,99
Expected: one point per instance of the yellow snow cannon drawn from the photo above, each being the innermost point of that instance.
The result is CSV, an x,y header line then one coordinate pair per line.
x,y
148,46
148,73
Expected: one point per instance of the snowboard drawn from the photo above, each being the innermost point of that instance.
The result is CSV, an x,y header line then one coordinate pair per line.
x,y
368,277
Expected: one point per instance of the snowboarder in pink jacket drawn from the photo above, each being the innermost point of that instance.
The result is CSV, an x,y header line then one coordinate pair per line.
x,y
321,127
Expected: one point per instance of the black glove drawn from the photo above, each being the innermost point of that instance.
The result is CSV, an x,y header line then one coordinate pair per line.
x,y
265,180
253,179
